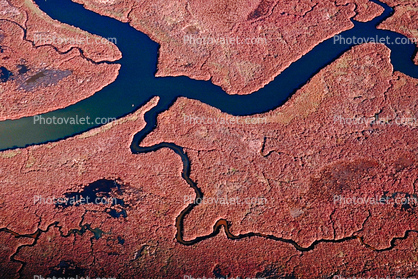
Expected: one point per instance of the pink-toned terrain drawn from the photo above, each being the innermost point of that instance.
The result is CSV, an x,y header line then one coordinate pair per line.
x,y
51,66
271,34
404,20
306,154
282,182
297,158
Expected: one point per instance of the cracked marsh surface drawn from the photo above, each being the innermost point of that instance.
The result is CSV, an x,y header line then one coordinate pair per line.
x,y
142,174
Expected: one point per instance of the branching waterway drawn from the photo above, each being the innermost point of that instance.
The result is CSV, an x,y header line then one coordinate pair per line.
x,y
136,85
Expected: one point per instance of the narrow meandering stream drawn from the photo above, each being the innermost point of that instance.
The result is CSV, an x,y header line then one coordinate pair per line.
x,y
136,85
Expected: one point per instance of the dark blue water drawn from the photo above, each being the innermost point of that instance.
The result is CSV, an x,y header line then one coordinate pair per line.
x,y
4,74
136,83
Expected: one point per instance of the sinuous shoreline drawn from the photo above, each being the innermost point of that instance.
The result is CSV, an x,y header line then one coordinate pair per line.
x,y
158,163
